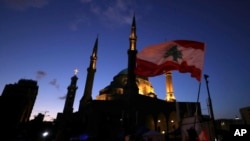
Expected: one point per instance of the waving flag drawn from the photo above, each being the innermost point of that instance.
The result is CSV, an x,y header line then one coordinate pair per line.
x,y
182,55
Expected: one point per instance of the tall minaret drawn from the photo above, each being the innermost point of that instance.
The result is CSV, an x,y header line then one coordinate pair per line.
x,y
131,87
169,87
87,95
70,97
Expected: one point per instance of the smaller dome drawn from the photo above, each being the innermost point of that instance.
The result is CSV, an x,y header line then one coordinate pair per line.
x,y
124,71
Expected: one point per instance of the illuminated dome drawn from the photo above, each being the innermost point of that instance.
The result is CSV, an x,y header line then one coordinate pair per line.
x,y
116,87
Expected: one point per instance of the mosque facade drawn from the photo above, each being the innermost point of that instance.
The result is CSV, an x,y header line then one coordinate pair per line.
x,y
127,106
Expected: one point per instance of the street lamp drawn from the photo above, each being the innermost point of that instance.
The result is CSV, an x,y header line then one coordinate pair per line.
x,y
45,134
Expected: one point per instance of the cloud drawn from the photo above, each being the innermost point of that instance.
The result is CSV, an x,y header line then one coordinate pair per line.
x,y
40,74
80,19
63,97
25,4
109,13
54,83
119,11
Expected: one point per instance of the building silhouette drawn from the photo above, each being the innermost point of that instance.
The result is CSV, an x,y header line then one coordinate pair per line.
x,y
127,107
16,104
245,114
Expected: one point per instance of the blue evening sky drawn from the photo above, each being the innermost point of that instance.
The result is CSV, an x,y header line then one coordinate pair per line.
x,y
45,40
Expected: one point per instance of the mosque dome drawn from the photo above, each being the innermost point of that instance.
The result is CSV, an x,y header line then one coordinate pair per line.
x,y
116,87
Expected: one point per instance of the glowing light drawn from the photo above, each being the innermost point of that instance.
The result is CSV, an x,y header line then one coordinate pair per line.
x,y
222,123
46,133
236,117
76,71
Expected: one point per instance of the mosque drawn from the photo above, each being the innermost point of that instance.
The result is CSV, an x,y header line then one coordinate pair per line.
x,y
127,106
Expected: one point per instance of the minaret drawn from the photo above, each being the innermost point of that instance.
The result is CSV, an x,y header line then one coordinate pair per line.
x,y
87,95
131,87
70,97
169,88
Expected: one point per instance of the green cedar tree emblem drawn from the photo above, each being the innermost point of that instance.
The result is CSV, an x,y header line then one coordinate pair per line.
x,y
173,51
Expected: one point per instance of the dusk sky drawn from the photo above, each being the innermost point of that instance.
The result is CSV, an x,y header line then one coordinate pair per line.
x,y
45,40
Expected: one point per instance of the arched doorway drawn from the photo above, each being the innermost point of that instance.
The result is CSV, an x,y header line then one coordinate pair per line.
x,y
172,121
150,124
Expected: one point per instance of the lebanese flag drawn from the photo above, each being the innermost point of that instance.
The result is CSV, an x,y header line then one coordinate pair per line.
x,y
182,55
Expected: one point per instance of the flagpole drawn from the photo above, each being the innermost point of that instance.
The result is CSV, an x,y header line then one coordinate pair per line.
x,y
210,106
198,96
196,110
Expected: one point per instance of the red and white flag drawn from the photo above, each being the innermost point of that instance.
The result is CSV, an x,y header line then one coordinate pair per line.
x,y
182,55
